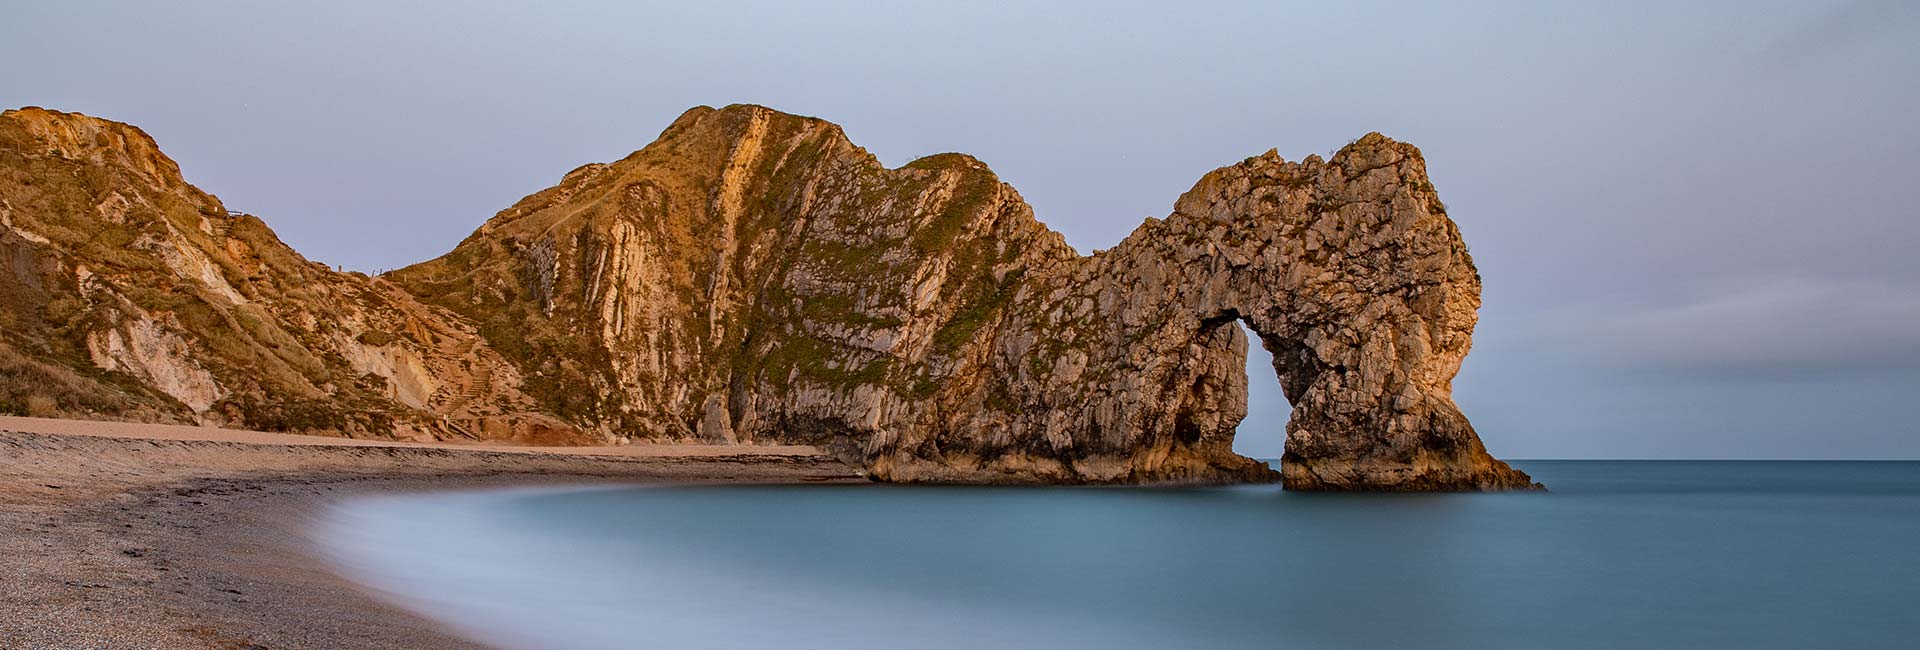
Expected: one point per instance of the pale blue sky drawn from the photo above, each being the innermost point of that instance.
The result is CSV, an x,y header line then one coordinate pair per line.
x,y
1694,220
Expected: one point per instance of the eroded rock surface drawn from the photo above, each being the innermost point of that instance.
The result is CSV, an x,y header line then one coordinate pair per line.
x,y
1348,271
754,276
129,293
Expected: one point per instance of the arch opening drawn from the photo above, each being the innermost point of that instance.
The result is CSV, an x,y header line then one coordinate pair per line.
x,y
1262,434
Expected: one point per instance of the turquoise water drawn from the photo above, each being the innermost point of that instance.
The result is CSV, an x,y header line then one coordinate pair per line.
x,y
1621,554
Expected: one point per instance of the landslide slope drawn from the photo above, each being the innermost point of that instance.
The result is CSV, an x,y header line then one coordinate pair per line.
x,y
129,293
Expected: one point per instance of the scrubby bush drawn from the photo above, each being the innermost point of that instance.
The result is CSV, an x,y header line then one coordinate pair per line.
x,y
41,406
31,387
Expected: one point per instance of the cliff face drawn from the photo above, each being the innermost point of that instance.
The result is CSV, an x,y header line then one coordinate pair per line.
x,y
1128,363
129,293
752,275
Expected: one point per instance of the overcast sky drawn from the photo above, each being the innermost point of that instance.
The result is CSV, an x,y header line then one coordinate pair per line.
x,y
1695,221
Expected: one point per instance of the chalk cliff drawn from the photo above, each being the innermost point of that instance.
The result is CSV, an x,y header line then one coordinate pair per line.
x,y
754,276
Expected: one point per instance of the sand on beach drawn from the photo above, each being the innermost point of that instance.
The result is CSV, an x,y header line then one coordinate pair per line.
x,y
117,535
146,431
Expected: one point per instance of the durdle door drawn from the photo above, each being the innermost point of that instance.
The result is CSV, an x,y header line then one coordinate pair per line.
x,y
753,276
1348,270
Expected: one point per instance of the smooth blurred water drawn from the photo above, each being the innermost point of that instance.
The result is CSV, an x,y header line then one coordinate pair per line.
x,y
1620,554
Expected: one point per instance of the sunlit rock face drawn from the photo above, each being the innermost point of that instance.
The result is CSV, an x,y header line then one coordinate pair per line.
x,y
129,293
754,276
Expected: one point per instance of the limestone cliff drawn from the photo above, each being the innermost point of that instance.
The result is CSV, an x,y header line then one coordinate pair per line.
x,y
752,275
129,293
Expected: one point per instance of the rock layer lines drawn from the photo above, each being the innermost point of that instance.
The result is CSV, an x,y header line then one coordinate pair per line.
x,y
754,276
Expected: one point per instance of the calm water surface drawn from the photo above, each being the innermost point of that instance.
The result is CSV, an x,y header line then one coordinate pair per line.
x,y
1621,554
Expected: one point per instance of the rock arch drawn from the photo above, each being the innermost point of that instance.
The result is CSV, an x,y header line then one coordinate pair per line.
x,y
1126,365
755,276
1354,278
757,273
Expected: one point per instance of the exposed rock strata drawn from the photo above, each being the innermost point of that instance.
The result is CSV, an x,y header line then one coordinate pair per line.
x,y
754,276
130,293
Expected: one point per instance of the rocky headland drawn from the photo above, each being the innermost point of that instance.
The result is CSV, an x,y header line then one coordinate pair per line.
x,y
754,277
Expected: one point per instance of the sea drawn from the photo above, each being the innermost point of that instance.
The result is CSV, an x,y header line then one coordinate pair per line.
x,y
1619,554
